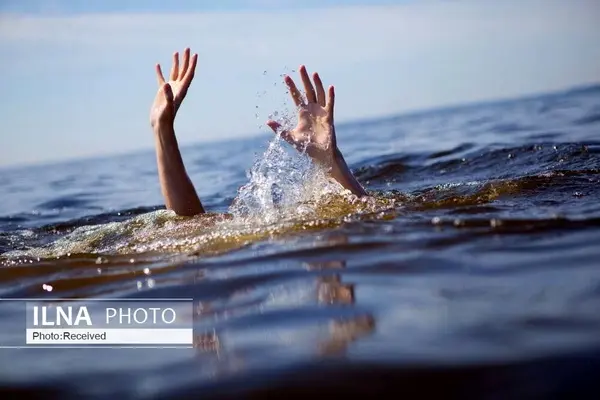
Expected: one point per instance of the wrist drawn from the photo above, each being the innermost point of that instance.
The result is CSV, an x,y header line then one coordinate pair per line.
x,y
162,127
333,163
340,171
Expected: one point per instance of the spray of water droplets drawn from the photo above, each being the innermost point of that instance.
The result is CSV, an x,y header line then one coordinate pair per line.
x,y
281,185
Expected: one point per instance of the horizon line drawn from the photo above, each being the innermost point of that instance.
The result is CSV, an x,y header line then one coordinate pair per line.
x,y
385,117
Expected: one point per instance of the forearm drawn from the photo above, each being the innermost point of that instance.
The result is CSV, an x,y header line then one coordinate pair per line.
x,y
341,173
177,188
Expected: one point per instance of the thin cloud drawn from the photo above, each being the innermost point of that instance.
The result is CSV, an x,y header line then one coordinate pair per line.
x,y
362,32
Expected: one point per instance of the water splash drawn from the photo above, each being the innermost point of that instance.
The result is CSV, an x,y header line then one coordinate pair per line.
x,y
282,184
284,187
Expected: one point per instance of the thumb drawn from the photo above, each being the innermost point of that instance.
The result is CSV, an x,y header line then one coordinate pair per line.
x,y
283,133
274,125
168,91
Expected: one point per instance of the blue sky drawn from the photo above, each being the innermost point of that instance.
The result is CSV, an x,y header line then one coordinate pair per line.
x,y
78,78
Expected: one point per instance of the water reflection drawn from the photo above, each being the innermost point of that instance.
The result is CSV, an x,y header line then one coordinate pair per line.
x,y
331,290
214,319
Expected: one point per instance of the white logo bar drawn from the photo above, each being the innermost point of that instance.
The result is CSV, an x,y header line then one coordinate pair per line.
x,y
111,336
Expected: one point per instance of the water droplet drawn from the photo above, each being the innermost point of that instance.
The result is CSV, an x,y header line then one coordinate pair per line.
x,y
265,72
151,283
139,285
131,260
147,271
47,288
436,220
275,113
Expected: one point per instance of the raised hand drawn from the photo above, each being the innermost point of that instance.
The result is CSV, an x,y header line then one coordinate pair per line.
x,y
315,131
170,94
177,188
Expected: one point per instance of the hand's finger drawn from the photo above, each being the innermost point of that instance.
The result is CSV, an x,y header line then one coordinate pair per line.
x,y
273,125
285,134
330,102
189,75
159,75
186,63
175,67
311,97
320,91
296,96
168,91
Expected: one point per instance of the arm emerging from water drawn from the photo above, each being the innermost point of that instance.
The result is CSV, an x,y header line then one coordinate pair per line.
x,y
315,132
177,188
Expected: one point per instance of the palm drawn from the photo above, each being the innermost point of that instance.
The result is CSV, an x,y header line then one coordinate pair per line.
x,y
314,132
170,94
179,91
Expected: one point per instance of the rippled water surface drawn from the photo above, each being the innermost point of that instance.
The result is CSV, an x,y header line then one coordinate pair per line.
x,y
474,268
